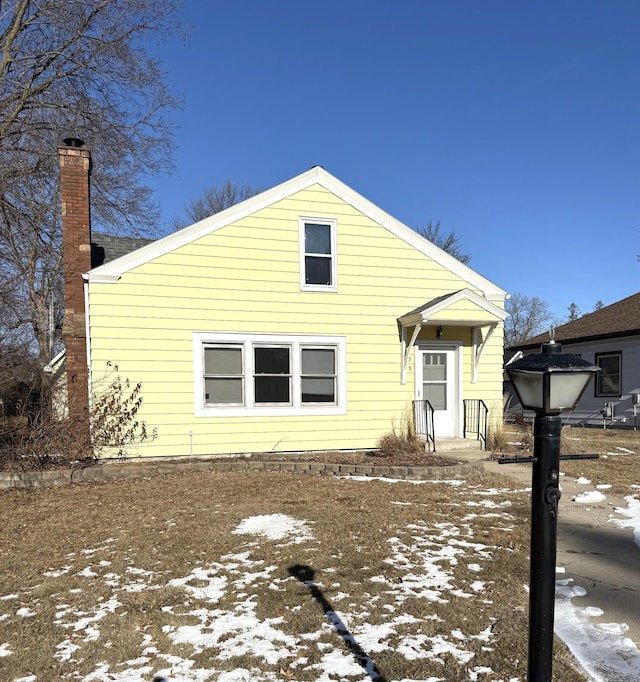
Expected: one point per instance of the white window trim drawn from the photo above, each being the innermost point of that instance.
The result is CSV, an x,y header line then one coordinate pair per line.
x,y
249,409
332,223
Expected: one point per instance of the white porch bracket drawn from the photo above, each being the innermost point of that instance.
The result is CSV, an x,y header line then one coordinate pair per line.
x,y
406,349
479,344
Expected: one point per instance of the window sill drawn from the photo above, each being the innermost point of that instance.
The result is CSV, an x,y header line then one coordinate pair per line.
x,y
311,411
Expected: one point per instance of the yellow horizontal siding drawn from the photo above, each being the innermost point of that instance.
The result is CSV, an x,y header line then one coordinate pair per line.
x,y
245,278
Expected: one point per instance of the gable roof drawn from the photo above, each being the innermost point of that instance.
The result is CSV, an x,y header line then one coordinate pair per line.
x,y
111,272
618,319
478,310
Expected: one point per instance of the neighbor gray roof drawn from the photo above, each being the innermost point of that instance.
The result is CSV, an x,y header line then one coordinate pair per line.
x,y
105,247
618,319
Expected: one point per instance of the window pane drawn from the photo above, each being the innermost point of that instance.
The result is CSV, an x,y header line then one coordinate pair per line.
x,y
317,270
318,361
271,360
270,389
435,367
609,364
609,385
317,238
223,391
436,394
608,378
318,390
223,361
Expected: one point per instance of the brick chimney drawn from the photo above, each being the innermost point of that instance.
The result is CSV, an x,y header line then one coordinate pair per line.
x,y
75,169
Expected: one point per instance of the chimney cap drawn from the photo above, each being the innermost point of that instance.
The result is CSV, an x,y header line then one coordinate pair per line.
x,y
73,142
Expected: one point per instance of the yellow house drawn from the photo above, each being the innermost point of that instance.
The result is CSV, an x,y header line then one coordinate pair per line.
x,y
304,318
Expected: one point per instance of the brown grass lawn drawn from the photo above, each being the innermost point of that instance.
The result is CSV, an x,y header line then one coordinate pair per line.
x,y
618,453
127,580
99,581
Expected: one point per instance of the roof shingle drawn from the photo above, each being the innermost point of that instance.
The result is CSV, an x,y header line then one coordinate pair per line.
x,y
618,319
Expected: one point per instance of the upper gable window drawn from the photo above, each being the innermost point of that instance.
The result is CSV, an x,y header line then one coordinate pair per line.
x,y
318,254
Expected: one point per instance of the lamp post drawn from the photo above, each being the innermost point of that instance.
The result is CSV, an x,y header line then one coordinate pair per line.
x,y
549,383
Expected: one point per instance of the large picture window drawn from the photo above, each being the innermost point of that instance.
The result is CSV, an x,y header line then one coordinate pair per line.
x,y
608,379
237,374
318,254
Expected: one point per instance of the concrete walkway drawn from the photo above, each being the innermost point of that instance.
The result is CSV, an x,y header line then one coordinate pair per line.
x,y
599,556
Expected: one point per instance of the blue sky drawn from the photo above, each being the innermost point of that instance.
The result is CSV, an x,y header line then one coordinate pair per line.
x,y
517,125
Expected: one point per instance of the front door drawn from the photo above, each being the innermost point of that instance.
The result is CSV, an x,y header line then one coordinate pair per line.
x,y
436,381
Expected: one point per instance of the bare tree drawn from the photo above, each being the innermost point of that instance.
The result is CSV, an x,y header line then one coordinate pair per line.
x,y
598,305
213,200
447,241
75,68
528,316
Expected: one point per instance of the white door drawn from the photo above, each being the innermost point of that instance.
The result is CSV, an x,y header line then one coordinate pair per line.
x,y
436,381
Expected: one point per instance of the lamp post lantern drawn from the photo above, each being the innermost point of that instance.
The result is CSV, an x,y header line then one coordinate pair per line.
x,y
548,383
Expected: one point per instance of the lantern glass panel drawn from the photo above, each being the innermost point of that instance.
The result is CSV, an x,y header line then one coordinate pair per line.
x,y
529,388
566,389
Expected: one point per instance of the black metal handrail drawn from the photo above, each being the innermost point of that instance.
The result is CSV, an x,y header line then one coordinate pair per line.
x,y
423,415
476,418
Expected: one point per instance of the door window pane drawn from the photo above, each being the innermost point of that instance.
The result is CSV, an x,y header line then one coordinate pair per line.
x,y
435,367
434,379
436,394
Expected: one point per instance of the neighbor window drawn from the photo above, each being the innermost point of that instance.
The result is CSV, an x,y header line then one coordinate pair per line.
x,y
317,254
608,382
237,374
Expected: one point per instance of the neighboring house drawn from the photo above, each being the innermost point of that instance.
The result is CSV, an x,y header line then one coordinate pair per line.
x,y
610,338
304,318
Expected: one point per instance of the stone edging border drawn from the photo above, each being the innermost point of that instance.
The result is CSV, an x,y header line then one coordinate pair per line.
x,y
109,471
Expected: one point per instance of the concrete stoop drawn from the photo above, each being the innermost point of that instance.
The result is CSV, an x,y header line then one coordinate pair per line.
x,y
447,445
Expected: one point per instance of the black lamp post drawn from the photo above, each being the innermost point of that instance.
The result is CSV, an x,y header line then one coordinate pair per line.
x,y
549,383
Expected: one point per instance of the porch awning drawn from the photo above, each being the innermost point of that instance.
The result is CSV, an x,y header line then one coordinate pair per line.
x,y
462,308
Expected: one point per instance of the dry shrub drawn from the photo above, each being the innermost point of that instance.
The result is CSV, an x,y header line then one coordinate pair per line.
x,y
498,439
41,438
114,415
511,437
399,444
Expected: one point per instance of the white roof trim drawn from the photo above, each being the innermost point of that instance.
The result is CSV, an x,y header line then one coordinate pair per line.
x,y
50,366
423,315
113,270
